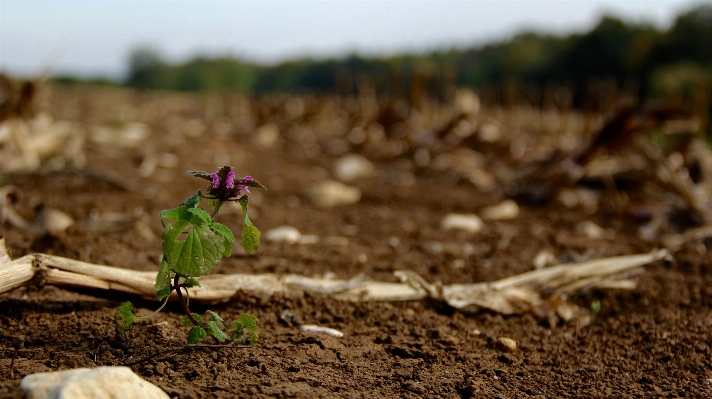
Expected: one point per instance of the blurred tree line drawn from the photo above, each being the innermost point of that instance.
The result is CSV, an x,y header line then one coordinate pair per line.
x,y
637,56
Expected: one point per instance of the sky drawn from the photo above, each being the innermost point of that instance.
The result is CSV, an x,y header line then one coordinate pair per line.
x,y
92,38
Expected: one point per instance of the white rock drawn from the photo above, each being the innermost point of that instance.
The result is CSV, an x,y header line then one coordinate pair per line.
x,y
266,136
543,258
53,220
99,383
323,330
352,166
456,221
467,102
506,209
507,343
331,193
490,133
594,231
285,233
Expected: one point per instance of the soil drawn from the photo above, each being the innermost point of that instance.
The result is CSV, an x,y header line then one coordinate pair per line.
x,y
653,341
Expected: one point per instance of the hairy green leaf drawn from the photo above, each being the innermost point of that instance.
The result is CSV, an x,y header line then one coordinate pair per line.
x,y
181,212
250,234
190,282
163,280
248,321
252,183
124,317
188,323
215,331
202,249
214,316
252,338
200,174
196,334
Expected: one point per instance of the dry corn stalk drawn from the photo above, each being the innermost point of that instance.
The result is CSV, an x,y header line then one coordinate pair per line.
x,y
513,295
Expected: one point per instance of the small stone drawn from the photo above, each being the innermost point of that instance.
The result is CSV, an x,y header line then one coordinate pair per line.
x,y
451,340
285,233
490,133
331,193
351,167
266,136
507,344
53,220
543,258
99,383
458,264
322,330
594,231
505,210
455,221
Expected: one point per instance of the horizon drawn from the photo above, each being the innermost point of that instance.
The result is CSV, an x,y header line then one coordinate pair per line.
x,y
93,39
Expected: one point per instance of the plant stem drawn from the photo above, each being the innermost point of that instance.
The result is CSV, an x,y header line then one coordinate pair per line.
x,y
176,284
17,344
217,208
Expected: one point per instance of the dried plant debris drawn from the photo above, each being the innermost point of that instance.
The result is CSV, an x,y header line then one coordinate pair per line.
x,y
544,292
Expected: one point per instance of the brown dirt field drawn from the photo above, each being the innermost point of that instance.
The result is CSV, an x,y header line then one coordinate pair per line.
x,y
653,341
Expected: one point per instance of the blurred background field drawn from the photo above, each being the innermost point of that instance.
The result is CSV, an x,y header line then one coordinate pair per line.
x,y
461,162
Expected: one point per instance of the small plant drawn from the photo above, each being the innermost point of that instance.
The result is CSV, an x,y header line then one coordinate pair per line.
x,y
193,244
596,306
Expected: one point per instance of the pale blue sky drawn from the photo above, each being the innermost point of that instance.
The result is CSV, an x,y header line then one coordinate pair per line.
x,y
95,37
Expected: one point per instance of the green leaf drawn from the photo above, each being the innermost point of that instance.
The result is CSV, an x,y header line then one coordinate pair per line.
x,y
248,321
189,282
214,317
252,183
596,306
200,174
181,212
223,231
163,280
252,338
188,323
250,234
196,334
124,317
215,331
200,216
162,294
202,249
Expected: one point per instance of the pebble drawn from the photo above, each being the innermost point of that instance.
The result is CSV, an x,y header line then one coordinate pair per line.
x,y
285,233
323,330
593,231
454,221
53,220
352,166
507,344
505,210
543,258
331,193
99,383
267,135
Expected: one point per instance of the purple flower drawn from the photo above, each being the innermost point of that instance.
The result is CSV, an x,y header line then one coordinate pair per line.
x,y
243,188
216,180
248,177
230,180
